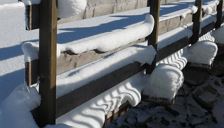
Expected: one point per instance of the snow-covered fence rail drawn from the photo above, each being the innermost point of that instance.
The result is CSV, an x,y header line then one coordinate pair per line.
x,y
46,62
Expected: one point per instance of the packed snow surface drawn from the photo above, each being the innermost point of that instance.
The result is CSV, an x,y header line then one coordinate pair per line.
x,y
115,39
15,109
164,82
218,35
203,52
68,8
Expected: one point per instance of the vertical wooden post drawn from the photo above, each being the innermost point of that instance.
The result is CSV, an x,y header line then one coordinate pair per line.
x,y
219,14
155,12
153,37
197,22
47,59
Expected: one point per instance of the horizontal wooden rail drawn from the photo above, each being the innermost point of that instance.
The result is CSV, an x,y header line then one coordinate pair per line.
x,y
96,87
207,28
170,49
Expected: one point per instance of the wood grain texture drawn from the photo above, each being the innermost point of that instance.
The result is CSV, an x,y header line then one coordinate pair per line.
x,y
47,62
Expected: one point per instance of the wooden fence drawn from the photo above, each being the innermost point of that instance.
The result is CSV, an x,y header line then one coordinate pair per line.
x,y
45,68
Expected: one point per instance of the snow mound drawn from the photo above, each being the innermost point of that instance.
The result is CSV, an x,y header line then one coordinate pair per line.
x,y
31,2
164,82
114,40
31,51
219,35
15,109
203,52
68,8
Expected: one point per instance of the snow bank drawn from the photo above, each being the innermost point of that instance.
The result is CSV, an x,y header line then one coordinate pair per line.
x,y
15,109
208,6
31,51
219,35
92,113
31,2
114,40
68,8
82,76
12,5
164,82
203,52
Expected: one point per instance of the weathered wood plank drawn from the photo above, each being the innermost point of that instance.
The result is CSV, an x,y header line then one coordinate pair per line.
x,y
197,17
170,49
32,17
96,87
47,62
31,72
155,12
219,14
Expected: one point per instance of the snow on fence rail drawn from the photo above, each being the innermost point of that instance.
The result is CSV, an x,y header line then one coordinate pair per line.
x,y
44,68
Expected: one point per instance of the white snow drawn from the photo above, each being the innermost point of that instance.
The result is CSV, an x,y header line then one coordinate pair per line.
x,y
218,34
77,78
208,36
178,59
208,6
115,39
31,2
92,113
30,51
164,82
11,6
68,8
15,109
203,52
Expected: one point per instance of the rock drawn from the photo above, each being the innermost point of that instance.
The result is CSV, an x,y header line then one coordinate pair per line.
x,y
143,117
206,96
195,77
131,120
218,112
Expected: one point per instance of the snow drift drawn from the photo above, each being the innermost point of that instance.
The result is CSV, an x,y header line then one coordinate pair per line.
x,y
68,8
219,35
203,52
164,82
15,109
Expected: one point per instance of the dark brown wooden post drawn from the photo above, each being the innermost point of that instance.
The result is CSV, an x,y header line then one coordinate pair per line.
x,y
197,22
155,12
219,14
47,59
153,37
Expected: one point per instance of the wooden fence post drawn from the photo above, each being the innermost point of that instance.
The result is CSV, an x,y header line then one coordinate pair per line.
x,y
153,37
197,22
219,14
47,59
